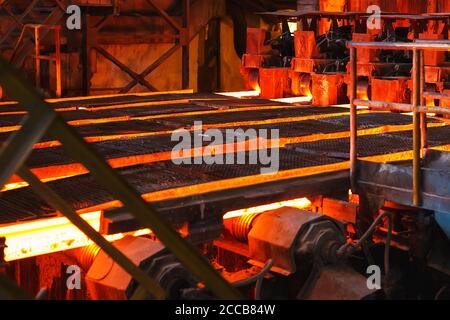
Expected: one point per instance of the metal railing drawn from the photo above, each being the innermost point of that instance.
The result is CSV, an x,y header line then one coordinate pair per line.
x,y
42,118
38,57
420,139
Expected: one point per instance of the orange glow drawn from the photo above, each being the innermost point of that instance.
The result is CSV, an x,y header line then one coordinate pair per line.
x,y
241,94
213,186
294,99
83,122
14,185
142,232
293,26
115,106
7,103
353,198
137,94
50,173
275,120
45,236
430,103
300,203
231,183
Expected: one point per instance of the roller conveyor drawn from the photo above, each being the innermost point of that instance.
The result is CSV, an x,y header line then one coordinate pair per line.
x,y
311,149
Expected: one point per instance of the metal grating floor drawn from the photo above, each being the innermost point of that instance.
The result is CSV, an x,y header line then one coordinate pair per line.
x,y
102,101
372,145
83,191
162,143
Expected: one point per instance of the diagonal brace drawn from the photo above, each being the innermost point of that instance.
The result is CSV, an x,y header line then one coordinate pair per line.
x,y
53,199
124,68
151,68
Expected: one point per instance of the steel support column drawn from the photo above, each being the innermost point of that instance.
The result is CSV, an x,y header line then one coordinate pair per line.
x,y
423,116
85,53
353,119
417,142
185,41
53,199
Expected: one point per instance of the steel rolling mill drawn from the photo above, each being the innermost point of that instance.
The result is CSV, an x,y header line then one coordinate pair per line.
x,y
191,150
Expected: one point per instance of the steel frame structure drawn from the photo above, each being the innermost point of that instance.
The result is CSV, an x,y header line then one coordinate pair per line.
x,y
181,37
42,118
182,40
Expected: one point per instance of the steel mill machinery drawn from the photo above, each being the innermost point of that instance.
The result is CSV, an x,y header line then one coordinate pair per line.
x,y
308,63
297,63
97,200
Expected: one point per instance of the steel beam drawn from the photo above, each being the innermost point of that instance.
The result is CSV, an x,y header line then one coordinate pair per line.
x,y
185,41
400,107
164,14
53,199
417,142
151,68
124,68
19,21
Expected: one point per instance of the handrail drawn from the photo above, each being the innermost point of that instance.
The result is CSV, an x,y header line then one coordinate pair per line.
x,y
420,139
402,107
38,56
440,45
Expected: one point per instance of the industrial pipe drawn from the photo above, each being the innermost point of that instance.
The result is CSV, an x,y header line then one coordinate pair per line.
x,y
440,45
400,107
423,116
